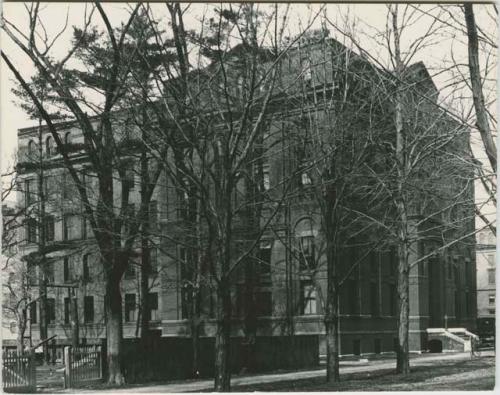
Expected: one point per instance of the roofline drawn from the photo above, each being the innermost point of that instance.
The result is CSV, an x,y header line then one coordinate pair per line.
x,y
58,125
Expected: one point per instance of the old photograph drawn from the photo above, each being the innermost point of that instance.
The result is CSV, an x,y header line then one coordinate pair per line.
x,y
274,197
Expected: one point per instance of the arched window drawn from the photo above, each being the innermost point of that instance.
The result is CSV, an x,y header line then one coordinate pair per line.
x,y
31,148
67,138
48,146
305,232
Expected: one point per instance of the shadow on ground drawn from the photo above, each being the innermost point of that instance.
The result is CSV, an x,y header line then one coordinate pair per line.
x,y
477,374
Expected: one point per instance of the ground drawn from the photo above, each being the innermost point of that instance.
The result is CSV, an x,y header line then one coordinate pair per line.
x,y
473,375
430,372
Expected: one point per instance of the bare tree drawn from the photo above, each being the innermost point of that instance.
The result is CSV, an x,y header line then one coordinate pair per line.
x,y
16,296
215,117
411,143
105,75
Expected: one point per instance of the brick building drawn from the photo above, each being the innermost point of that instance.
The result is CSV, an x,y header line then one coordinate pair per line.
x,y
291,272
486,284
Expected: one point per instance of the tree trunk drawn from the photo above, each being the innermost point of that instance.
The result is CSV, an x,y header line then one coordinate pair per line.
x,y
403,350
145,270
196,258
332,329
195,337
43,315
222,339
332,348
195,309
75,332
332,298
250,319
145,233
113,308
21,329
477,91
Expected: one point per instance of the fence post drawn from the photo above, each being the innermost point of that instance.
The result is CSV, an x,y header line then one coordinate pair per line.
x,y
67,367
32,362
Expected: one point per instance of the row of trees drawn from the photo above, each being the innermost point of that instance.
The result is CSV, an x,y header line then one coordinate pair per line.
x,y
201,108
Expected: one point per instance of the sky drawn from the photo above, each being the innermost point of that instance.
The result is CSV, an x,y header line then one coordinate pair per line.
x,y
369,20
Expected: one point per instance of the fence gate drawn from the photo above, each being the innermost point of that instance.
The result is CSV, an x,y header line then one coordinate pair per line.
x,y
82,365
18,372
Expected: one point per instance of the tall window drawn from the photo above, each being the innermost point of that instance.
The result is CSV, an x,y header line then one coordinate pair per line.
x,y
130,308
491,276
265,257
308,294
31,230
67,138
467,272
184,282
392,299
49,272
264,303
49,149
307,259
129,180
491,299
306,70
374,305
88,309
67,310
67,270
153,260
393,261
29,192
266,177
129,217
51,310
302,156
130,270
458,309
491,259
153,306
153,214
374,289
183,200
33,312
467,304
305,179
71,227
164,212
49,228
86,268
84,227
353,296
48,182
31,149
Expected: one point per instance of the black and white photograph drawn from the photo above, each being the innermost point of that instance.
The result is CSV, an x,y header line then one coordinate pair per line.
x,y
241,197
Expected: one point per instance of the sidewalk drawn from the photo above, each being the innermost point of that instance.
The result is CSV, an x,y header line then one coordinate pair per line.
x,y
237,381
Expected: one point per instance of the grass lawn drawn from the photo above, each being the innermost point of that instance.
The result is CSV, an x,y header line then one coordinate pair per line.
x,y
478,374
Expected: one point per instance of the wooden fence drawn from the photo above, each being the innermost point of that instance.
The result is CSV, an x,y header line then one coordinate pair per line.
x,y
18,372
82,365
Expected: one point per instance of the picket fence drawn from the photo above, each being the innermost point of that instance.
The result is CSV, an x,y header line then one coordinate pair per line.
x,y
18,372
83,365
